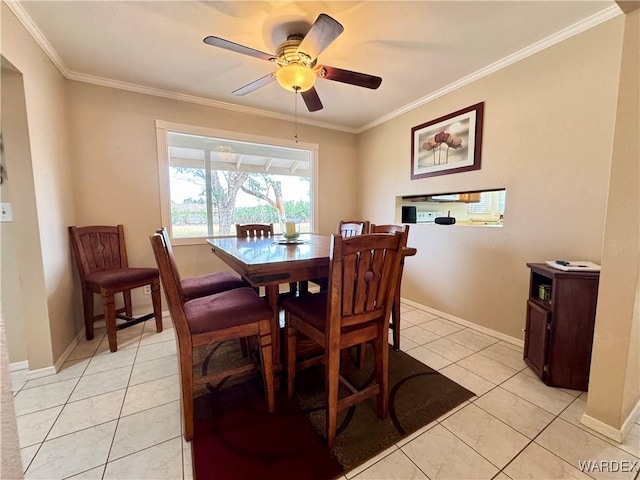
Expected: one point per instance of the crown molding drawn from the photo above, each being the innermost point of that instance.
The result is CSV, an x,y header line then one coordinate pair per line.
x,y
543,44
575,29
38,36
157,92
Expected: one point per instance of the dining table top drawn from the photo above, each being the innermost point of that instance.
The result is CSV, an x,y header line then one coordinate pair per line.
x,y
266,260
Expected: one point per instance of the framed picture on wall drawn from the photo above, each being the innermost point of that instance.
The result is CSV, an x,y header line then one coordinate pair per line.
x,y
449,144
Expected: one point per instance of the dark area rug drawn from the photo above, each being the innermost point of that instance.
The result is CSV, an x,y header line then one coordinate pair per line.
x,y
235,438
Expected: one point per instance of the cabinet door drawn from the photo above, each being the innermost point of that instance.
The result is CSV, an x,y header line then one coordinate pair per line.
x,y
536,337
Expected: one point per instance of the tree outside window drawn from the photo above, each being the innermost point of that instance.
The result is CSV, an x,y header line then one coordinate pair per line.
x,y
216,183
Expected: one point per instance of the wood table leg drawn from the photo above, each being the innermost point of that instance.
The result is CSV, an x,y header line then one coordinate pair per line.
x,y
273,297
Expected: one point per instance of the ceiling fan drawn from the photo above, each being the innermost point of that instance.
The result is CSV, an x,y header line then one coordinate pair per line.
x,y
297,58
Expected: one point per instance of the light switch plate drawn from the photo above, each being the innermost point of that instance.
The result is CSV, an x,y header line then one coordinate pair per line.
x,y
7,212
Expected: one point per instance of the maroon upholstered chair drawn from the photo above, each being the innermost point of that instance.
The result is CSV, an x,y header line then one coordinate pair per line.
x,y
355,310
201,285
101,258
232,314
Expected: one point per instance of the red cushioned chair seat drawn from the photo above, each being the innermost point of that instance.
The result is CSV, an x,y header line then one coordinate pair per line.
x,y
210,283
313,308
239,306
118,276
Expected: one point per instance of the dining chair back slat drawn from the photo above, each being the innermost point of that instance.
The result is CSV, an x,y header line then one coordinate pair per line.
x,y
349,228
253,230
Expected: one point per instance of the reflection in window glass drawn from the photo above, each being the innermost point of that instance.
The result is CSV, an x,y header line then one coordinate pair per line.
x,y
490,202
215,183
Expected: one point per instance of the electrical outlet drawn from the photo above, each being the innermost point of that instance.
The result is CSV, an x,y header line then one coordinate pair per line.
x,y
147,289
7,212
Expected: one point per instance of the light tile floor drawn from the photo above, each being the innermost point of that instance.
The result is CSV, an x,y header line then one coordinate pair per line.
x,y
117,415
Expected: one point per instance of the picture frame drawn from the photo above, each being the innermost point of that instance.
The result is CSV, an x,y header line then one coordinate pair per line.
x,y
449,144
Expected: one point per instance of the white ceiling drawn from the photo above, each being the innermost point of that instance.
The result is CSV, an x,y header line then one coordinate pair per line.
x,y
421,49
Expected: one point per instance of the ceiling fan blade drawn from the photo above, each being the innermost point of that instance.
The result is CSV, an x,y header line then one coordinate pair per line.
x,y
323,31
256,84
352,78
236,47
312,100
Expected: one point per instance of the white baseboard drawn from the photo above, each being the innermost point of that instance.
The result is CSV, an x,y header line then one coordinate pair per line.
x,y
507,338
44,372
615,434
40,372
16,366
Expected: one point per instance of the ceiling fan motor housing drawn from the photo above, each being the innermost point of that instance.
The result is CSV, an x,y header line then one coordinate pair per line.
x,y
296,72
287,52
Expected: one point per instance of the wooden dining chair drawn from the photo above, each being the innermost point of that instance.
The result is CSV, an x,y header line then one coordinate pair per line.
x,y
232,314
394,324
257,230
362,276
345,228
101,258
348,228
201,285
253,230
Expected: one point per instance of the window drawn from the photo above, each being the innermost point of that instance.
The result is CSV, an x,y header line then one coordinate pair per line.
x,y
214,179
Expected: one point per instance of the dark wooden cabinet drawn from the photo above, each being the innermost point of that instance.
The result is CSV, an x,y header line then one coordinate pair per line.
x,y
561,312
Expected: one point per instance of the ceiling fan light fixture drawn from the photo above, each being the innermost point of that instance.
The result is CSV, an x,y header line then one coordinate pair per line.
x,y
296,77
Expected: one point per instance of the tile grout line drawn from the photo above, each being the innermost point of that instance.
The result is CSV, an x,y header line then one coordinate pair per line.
x,y
115,430
57,417
61,410
541,446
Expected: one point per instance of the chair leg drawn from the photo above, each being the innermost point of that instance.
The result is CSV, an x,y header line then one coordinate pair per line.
x,y
87,306
128,306
332,380
362,354
395,320
381,371
345,361
303,287
186,380
109,304
244,346
157,303
266,356
290,350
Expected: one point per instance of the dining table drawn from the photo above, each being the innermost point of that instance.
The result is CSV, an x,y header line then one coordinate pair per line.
x,y
271,261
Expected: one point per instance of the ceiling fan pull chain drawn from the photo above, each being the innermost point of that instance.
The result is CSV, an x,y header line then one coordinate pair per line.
x,y
295,113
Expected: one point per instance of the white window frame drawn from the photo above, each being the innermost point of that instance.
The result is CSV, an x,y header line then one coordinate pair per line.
x,y
162,127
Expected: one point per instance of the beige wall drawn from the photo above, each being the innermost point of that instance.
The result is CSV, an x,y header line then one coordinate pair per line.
x,y
614,385
46,269
116,166
548,133
15,144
